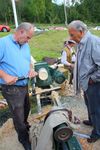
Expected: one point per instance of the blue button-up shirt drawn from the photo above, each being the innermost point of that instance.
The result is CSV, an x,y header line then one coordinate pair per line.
x,y
14,59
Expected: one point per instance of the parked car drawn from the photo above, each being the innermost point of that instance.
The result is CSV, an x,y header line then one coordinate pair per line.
x,y
4,28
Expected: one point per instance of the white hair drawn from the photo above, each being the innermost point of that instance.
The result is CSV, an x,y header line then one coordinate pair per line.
x,y
25,25
78,25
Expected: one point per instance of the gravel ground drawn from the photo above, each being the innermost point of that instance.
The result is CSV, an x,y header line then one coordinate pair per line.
x,y
8,136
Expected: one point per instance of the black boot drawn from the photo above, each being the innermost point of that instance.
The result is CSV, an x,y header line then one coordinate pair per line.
x,y
26,143
27,146
87,122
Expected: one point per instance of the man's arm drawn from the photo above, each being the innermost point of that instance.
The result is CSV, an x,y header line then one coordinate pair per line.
x,y
96,58
32,73
7,78
64,59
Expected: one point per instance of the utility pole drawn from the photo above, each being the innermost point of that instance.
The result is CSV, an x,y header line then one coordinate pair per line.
x,y
65,11
15,13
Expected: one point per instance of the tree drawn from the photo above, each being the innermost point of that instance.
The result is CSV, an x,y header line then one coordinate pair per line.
x,y
44,11
6,14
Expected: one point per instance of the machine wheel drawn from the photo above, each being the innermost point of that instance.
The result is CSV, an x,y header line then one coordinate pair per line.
x,y
62,134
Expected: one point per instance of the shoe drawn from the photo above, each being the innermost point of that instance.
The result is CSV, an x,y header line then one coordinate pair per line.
x,y
87,122
27,146
92,140
26,143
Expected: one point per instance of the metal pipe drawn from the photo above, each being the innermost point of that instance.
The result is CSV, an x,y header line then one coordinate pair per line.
x,y
82,135
15,13
65,12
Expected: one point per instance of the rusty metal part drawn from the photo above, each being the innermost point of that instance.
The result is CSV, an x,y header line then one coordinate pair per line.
x,y
63,133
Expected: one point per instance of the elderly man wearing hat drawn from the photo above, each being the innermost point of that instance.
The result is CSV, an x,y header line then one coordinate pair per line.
x,y
68,57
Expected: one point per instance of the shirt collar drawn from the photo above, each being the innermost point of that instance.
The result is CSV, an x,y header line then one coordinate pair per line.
x,y
12,38
85,37
83,40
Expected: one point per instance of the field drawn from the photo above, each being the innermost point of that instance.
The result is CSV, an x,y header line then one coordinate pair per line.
x,y
49,43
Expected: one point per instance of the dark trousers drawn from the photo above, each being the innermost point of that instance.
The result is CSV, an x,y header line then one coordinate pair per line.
x,y
18,100
87,104
93,105
71,78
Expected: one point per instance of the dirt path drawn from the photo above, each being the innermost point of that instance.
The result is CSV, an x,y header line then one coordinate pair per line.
x,y
8,136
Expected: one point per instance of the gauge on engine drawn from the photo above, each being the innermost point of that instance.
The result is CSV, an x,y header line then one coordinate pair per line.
x,y
43,74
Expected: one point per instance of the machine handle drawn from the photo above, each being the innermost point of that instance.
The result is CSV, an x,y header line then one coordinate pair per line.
x,y
22,78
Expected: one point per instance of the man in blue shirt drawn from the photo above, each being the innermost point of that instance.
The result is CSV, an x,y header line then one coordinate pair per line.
x,y
15,62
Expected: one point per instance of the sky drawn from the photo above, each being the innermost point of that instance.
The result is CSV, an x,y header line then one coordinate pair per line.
x,y
60,1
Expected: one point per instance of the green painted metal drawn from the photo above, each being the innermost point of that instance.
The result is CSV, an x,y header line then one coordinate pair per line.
x,y
73,144
48,81
53,75
64,139
57,76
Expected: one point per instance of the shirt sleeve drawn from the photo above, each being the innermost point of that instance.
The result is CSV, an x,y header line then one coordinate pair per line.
x,y
2,47
96,58
64,59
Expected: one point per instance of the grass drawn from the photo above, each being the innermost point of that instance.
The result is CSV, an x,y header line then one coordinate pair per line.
x,y
3,34
48,44
96,32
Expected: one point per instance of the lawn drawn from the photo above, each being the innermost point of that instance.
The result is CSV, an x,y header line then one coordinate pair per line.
x,y
49,43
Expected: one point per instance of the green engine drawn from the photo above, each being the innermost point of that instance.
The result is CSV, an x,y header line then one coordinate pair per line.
x,y
47,75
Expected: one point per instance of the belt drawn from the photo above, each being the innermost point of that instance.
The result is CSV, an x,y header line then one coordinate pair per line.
x,y
56,110
19,86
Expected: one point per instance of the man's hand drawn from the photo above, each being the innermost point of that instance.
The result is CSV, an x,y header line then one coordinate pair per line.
x,y
91,81
32,74
9,79
71,67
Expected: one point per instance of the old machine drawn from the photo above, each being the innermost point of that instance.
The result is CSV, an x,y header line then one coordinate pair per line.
x,y
43,87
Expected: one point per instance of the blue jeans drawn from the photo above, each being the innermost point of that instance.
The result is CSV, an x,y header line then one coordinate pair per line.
x,y
93,100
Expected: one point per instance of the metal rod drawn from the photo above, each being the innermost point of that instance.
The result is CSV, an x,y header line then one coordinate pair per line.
x,y
81,135
15,13
65,12
47,90
39,104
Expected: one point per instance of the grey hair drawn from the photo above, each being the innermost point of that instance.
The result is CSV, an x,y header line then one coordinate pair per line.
x,y
78,25
25,25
